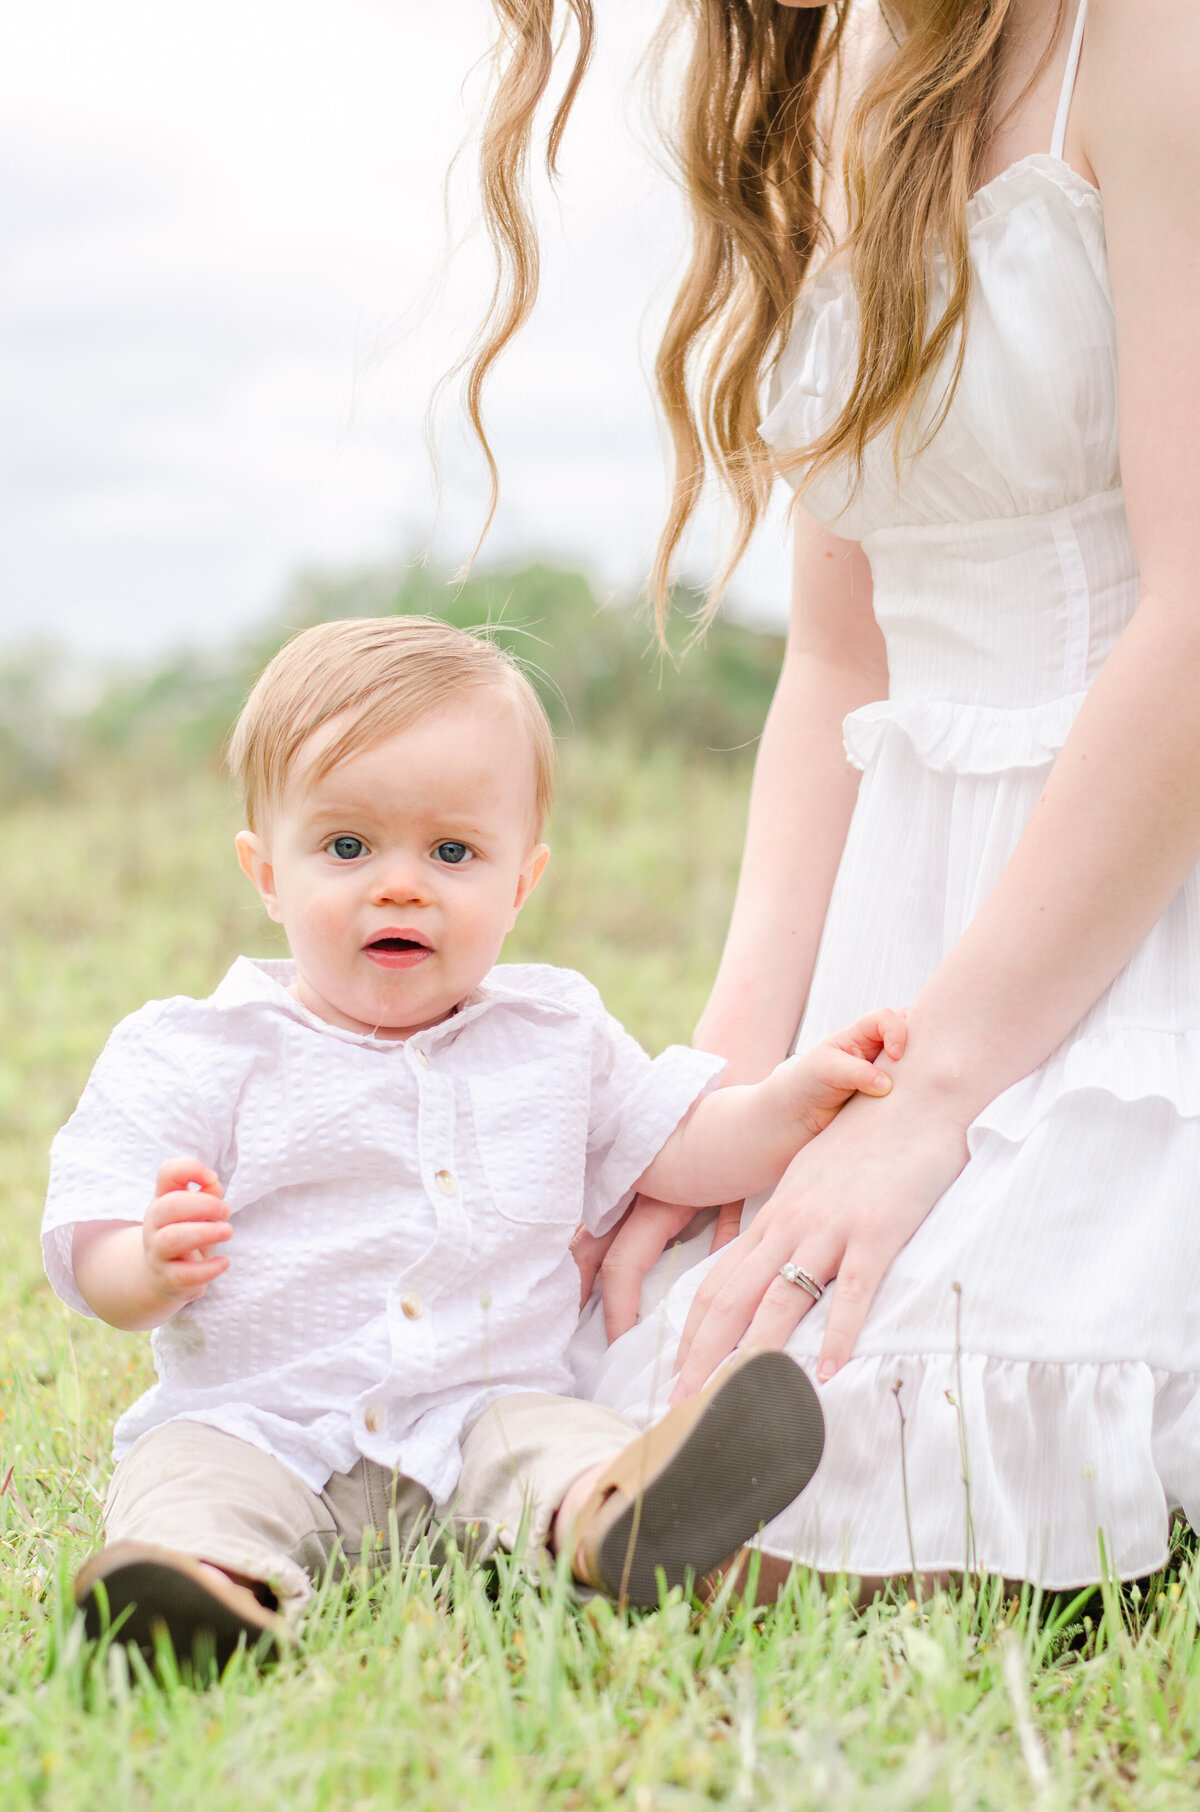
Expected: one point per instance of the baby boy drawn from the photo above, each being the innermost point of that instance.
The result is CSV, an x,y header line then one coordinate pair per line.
x,y
370,1162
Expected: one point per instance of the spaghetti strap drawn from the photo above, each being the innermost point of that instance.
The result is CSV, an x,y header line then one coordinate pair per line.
x,y
1068,88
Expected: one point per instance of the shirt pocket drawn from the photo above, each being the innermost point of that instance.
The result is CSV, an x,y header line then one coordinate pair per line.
x,y
531,1127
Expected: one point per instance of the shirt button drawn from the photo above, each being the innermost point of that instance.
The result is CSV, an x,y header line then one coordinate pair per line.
x,y
423,1060
373,1419
412,1307
445,1182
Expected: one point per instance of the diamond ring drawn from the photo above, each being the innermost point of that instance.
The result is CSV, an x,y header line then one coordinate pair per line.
x,y
791,1273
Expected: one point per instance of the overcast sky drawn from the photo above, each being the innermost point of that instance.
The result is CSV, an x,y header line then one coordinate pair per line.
x,y
219,231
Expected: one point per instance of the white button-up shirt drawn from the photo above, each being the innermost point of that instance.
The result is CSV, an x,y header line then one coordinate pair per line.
x,y
402,1210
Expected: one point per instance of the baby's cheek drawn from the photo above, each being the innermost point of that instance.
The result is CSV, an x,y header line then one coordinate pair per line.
x,y
479,930
321,932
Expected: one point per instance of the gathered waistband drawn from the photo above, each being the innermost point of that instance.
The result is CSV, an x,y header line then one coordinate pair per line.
x,y
1009,612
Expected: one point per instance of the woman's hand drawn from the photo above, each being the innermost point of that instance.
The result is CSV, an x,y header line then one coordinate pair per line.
x,y
588,1249
622,1257
641,1240
797,1102
847,1204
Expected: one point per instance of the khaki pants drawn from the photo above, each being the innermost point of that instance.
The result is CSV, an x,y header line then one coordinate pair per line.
x,y
208,1494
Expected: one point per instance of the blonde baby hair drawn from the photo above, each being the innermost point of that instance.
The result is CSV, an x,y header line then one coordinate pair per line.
x,y
377,676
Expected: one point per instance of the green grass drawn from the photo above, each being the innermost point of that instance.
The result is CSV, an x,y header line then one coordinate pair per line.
x,y
432,1688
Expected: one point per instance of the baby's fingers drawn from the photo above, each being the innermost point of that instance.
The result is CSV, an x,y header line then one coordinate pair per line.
x,y
186,1205
883,1032
189,1278
892,1029
855,1076
182,1173
179,1238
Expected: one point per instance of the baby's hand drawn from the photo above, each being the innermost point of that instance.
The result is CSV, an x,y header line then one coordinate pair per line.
x,y
185,1222
844,1065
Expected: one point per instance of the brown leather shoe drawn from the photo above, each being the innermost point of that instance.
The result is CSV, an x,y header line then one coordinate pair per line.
x,y
685,1495
148,1590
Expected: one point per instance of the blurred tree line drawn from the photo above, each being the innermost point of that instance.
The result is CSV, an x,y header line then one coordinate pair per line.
x,y
597,667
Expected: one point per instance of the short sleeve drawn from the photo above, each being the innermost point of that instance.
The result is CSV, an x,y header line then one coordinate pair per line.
x,y
140,1107
636,1104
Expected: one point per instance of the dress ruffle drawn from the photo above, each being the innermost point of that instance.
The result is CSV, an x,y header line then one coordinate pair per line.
x,y
1069,1468
1031,177
1130,1063
963,739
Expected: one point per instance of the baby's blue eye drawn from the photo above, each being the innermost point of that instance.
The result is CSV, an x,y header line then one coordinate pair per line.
x,y
452,853
347,849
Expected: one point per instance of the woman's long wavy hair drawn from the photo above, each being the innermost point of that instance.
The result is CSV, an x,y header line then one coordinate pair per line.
x,y
746,138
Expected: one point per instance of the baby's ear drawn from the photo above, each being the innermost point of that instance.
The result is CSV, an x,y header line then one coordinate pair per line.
x,y
255,864
530,875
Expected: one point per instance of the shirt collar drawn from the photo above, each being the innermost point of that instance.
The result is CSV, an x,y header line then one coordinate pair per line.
x,y
265,981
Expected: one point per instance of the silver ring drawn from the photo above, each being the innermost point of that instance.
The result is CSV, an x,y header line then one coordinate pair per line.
x,y
791,1273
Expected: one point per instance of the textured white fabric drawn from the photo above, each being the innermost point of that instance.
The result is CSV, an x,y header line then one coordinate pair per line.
x,y
1003,575
402,1210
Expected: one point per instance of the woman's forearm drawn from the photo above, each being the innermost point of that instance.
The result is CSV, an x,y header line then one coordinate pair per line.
x,y
800,805
1106,849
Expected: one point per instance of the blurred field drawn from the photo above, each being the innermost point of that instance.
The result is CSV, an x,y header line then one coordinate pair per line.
x,y
117,883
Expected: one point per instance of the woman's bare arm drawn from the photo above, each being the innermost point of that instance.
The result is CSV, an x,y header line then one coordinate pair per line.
x,y
800,804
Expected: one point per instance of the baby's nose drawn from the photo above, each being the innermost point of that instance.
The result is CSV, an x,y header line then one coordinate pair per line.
x,y
401,879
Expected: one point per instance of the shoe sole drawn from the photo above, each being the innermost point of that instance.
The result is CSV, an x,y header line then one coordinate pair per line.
x,y
149,1596
749,1454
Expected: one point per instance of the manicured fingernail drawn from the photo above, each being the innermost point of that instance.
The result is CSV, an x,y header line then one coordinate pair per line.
x,y
825,1371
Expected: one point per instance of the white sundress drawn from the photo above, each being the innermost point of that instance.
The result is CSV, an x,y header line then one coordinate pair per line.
x,y
1044,1318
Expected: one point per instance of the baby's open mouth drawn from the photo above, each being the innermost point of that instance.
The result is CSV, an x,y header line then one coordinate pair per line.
x,y
397,946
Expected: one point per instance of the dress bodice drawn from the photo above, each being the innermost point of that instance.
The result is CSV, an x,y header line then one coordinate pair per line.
x,y
1000,551
1033,423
